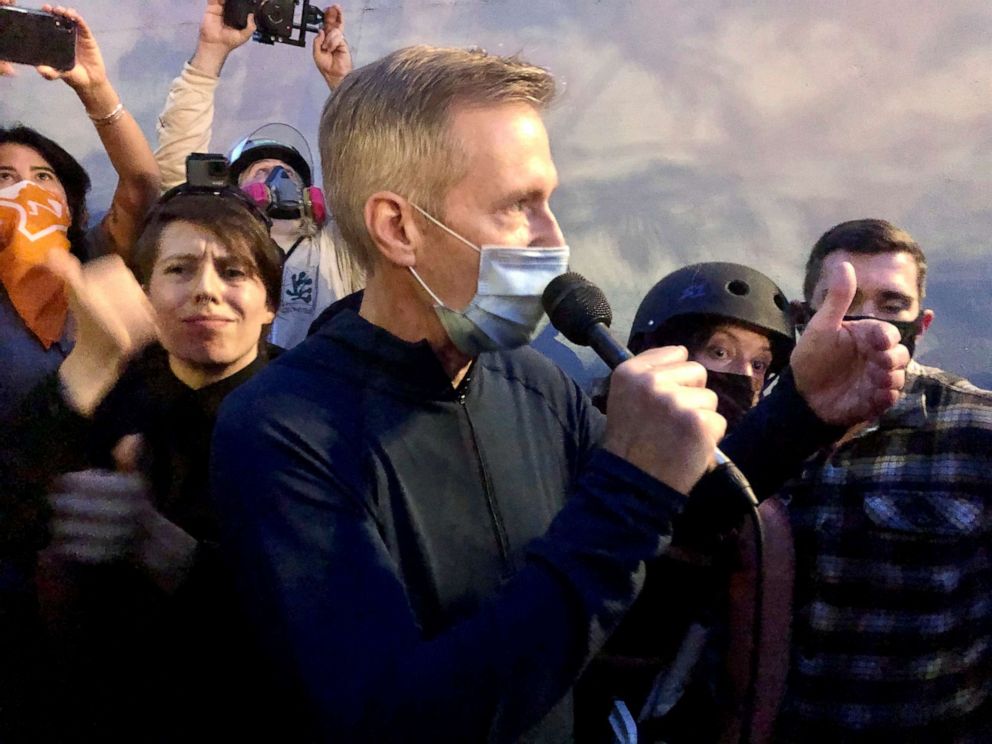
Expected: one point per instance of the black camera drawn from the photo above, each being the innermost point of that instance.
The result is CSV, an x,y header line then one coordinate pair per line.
x,y
275,20
207,170
209,174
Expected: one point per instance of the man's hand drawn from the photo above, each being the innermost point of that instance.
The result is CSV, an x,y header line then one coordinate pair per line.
x,y
848,371
330,49
114,321
218,40
662,418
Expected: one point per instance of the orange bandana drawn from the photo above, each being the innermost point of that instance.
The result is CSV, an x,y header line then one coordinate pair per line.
x,y
33,221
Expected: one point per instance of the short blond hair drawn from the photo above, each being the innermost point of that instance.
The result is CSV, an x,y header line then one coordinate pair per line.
x,y
386,128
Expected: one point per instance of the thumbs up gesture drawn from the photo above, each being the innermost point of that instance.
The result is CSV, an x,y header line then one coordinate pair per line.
x,y
101,517
97,515
848,371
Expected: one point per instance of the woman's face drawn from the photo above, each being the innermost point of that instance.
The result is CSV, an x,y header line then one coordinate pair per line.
x,y
22,163
739,350
210,304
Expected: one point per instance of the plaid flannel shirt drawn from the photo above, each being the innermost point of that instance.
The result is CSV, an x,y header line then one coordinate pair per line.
x,y
892,627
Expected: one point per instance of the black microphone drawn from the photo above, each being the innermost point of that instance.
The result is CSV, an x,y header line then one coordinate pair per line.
x,y
579,309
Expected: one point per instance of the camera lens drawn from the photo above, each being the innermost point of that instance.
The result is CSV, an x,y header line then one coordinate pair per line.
x,y
275,16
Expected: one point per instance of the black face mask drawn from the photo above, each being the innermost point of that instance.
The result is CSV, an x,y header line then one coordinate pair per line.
x,y
735,395
908,329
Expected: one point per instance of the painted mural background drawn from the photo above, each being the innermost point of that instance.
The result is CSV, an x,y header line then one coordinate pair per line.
x,y
685,131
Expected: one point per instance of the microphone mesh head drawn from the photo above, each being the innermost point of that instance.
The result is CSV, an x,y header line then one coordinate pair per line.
x,y
574,305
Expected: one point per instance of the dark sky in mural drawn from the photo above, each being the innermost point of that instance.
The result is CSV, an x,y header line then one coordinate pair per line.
x,y
685,131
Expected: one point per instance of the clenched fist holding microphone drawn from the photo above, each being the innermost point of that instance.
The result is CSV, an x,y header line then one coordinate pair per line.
x,y
662,418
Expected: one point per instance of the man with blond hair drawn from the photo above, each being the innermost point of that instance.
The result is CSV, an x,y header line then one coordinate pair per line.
x,y
434,527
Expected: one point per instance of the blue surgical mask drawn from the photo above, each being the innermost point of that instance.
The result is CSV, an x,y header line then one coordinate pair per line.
x,y
506,310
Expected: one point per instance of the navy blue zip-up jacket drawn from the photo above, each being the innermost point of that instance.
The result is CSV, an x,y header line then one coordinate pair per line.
x,y
429,563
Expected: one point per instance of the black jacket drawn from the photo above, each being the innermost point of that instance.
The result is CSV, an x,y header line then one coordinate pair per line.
x,y
430,563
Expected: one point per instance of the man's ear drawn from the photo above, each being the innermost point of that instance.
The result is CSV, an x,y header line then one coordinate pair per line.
x,y
926,318
389,218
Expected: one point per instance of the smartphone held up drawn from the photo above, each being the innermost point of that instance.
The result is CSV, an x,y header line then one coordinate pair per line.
x,y
34,37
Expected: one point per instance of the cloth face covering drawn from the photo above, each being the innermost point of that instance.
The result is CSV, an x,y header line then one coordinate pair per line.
x,y
506,310
735,395
34,221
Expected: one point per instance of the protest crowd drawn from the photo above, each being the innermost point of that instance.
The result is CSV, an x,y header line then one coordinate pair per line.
x,y
278,461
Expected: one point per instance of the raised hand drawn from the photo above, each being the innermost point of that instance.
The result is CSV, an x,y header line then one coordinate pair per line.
x,y
90,72
112,313
848,371
662,418
331,53
114,321
217,40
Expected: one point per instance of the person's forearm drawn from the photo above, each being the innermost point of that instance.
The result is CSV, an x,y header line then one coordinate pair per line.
x,y
86,377
332,80
184,126
776,437
131,156
348,632
210,58
524,650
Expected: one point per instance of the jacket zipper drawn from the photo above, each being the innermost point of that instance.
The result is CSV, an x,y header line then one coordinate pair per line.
x,y
502,542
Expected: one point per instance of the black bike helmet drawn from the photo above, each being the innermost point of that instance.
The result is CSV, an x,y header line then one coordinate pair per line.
x,y
277,141
715,291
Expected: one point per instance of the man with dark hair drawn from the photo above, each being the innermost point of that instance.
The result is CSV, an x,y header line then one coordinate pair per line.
x,y
866,237
893,619
433,525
